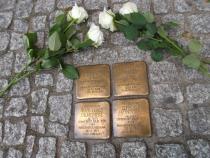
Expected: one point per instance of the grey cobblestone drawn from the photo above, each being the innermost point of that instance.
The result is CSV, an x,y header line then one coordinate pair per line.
x,y
20,26
199,148
44,6
105,150
13,153
161,6
7,5
1,106
37,124
29,146
63,84
73,149
17,107
5,19
60,108
3,83
1,125
1,153
20,60
5,37
39,101
21,88
202,5
38,23
6,64
16,41
57,129
170,151
182,6
95,4
199,119
133,150
167,122
23,8
14,133
47,147
43,79
63,4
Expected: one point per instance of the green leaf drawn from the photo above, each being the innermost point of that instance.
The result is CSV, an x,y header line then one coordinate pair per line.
x,y
60,19
149,44
54,28
70,71
151,28
84,44
121,24
149,17
50,63
195,46
162,32
54,41
192,61
136,19
157,55
70,32
170,25
30,39
131,32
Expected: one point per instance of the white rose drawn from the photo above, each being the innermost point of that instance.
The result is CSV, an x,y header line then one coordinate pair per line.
x,y
128,8
95,35
106,20
78,13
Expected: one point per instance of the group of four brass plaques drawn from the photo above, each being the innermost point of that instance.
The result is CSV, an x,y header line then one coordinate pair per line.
x,y
130,117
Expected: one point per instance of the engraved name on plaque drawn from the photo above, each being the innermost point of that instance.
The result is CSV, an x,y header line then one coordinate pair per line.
x,y
92,120
131,118
130,79
94,82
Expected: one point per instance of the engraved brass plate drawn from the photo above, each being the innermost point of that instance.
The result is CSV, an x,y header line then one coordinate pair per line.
x,y
131,118
130,79
94,82
92,120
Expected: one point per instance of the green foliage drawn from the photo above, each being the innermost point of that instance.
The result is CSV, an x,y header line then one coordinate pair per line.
x,y
51,62
149,44
136,19
192,61
70,71
157,55
149,17
195,46
29,39
54,42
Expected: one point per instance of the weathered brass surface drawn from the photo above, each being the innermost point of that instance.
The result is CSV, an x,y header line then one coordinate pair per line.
x,y
92,120
94,82
131,118
130,79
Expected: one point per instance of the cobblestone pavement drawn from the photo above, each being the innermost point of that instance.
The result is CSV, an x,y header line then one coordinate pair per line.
x,y
36,117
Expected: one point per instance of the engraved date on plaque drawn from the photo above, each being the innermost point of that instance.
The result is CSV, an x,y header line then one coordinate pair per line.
x,y
131,118
130,79
92,120
94,82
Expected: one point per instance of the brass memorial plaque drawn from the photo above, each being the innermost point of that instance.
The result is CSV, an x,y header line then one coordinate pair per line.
x,y
130,79
131,118
92,120
94,82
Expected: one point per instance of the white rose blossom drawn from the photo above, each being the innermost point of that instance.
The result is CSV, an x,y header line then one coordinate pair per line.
x,y
77,13
95,35
106,20
128,8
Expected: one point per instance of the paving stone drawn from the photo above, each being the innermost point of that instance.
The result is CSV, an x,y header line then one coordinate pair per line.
x,y
47,147
13,153
6,64
198,93
167,122
14,133
166,94
20,26
199,23
5,19
179,18
119,39
57,129
37,124
21,88
23,8
1,125
5,37
95,4
16,41
63,84
105,150
44,6
133,150
39,101
2,102
3,83
7,5
199,148
191,74
199,119
163,72
20,60
202,5
73,149
29,146
170,151
1,153
83,57
44,80
60,108
182,6
38,23
17,107
161,6
64,4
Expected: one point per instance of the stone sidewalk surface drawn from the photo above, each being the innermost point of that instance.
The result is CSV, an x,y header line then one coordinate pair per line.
x,y
36,117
